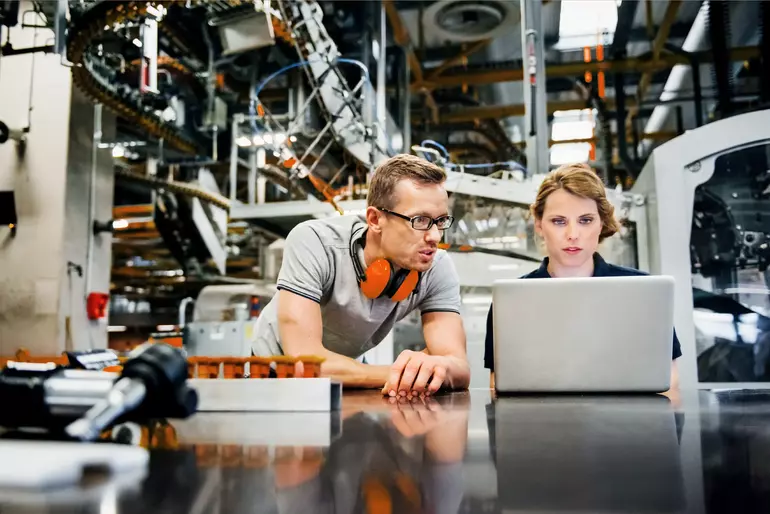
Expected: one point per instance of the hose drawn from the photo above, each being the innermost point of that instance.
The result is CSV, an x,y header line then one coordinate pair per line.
x,y
720,33
427,143
182,188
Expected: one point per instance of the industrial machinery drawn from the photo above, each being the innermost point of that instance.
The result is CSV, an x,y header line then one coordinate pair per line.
x,y
708,225
81,403
224,320
194,230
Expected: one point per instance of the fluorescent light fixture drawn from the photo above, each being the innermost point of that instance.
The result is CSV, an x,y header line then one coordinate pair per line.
x,y
119,224
116,328
565,154
137,42
118,151
268,139
279,138
166,328
258,140
586,23
243,141
293,139
567,125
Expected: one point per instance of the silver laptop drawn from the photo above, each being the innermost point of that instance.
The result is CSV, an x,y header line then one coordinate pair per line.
x,y
598,334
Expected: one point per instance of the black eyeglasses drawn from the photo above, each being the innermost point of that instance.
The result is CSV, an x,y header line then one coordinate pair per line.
x,y
424,222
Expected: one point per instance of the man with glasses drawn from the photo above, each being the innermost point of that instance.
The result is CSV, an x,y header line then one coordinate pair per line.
x,y
325,304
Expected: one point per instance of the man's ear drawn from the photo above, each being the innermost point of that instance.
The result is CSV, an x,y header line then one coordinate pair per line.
x,y
373,218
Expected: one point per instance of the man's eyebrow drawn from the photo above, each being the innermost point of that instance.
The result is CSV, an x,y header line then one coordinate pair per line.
x,y
423,213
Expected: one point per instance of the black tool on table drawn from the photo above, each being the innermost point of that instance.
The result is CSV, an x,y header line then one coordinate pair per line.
x,y
81,403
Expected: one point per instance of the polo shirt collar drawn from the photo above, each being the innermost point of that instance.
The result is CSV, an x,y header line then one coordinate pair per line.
x,y
601,268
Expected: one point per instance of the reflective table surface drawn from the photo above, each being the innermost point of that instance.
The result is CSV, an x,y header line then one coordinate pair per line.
x,y
460,452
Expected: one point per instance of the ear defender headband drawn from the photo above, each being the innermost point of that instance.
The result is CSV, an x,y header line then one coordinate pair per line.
x,y
379,280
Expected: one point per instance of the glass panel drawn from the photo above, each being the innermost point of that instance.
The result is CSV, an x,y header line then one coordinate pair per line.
x,y
729,251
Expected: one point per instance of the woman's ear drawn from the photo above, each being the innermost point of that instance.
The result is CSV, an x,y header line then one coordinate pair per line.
x,y
539,227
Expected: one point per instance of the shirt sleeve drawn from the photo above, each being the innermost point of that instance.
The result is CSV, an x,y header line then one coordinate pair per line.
x,y
677,351
489,343
306,268
442,288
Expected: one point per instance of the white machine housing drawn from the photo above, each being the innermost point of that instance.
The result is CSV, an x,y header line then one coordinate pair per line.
x,y
668,182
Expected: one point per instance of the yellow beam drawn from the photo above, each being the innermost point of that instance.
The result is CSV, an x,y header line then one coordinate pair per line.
x,y
401,36
504,111
657,47
448,63
402,39
572,69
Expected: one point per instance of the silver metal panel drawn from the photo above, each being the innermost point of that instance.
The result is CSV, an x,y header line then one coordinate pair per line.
x,y
32,262
520,193
89,196
211,222
634,315
211,240
263,428
248,32
267,394
220,339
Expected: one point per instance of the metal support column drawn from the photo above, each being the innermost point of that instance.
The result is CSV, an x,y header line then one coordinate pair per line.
x,y
252,185
407,104
234,160
536,121
382,45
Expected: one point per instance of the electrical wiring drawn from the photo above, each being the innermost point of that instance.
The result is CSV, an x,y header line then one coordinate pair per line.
x,y
298,64
425,148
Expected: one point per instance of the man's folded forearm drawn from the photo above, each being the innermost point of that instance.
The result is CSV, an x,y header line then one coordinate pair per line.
x,y
353,373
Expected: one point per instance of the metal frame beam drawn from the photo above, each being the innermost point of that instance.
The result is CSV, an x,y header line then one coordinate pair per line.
x,y
578,68
626,15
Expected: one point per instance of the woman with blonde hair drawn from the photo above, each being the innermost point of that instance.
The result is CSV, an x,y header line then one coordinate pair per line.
x,y
572,216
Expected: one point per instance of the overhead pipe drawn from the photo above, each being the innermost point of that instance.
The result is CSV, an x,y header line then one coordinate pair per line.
x,y
695,41
697,92
632,166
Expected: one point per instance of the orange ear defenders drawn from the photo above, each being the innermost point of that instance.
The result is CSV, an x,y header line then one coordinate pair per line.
x,y
379,279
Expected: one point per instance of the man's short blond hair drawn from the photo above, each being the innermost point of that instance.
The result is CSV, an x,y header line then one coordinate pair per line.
x,y
382,186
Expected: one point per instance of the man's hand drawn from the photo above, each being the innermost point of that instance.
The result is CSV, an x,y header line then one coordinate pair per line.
x,y
416,373
415,417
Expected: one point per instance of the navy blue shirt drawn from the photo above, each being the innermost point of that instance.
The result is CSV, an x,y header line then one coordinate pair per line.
x,y
601,269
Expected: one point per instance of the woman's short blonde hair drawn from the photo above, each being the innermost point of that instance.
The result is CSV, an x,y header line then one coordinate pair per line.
x,y
580,180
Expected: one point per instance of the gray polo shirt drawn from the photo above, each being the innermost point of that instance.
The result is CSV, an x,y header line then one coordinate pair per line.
x,y
317,265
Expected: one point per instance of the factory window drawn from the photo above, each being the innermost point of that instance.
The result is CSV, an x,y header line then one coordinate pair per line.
x,y
569,126
586,23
